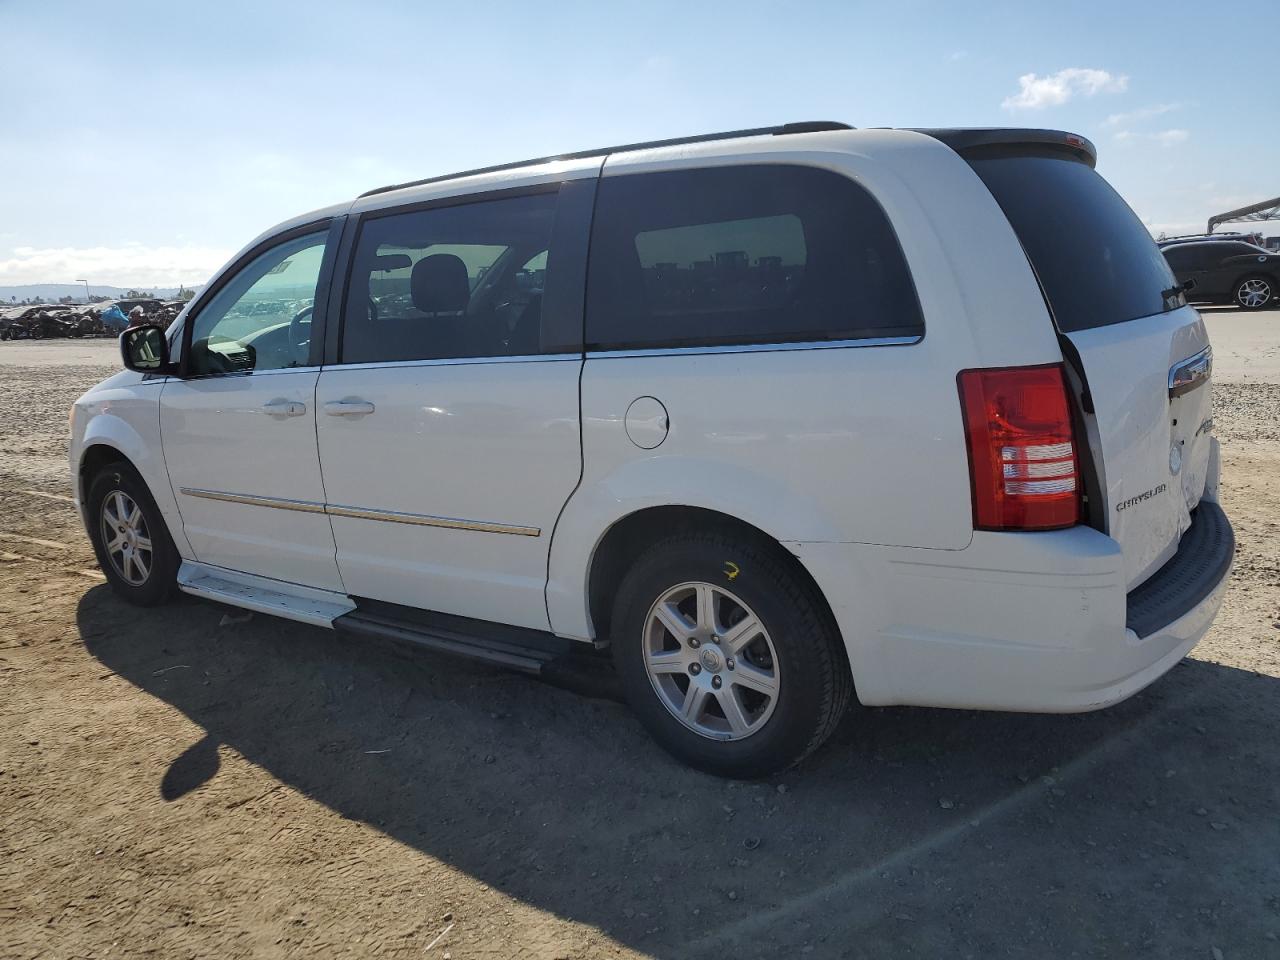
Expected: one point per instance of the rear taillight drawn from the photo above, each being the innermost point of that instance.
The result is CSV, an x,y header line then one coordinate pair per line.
x,y
1022,452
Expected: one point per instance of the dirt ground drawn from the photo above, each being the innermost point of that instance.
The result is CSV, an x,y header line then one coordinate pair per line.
x,y
192,782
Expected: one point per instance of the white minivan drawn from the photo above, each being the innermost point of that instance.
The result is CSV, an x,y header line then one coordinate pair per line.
x,y
781,416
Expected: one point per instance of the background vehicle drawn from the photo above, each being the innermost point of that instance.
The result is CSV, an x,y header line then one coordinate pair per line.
x,y
1226,271
1254,238
774,414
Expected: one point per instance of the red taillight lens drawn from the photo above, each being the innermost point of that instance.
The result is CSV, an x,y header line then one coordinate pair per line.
x,y
1022,450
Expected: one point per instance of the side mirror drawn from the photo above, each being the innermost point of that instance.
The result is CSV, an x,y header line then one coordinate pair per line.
x,y
144,349
1189,285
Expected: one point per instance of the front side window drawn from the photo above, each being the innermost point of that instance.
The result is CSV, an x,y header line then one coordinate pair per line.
x,y
742,255
261,319
448,282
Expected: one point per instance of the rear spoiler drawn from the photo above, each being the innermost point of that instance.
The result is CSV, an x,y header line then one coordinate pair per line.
x,y
998,139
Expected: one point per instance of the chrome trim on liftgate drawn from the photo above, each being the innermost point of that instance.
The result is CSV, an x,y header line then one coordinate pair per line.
x,y
1189,373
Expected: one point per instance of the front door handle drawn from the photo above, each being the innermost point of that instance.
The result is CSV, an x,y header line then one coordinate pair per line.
x,y
348,408
284,408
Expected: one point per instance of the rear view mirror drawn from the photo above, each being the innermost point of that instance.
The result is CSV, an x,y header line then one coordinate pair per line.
x,y
144,349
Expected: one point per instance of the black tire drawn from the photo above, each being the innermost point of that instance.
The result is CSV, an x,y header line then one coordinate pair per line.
x,y
1239,293
815,684
158,584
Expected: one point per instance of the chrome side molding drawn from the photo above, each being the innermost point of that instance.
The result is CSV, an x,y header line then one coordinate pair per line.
x,y
278,503
364,513
426,520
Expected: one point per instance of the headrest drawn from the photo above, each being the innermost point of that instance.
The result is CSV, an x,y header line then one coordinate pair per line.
x,y
439,284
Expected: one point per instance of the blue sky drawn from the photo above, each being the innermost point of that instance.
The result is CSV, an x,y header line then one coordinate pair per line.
x,y
143,143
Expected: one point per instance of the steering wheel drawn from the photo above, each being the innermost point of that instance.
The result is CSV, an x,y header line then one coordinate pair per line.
x,y
300,334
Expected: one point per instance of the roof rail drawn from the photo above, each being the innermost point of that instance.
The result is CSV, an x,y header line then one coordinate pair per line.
x,y
807,126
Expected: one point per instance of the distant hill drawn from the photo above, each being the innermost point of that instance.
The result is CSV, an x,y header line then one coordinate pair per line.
x,y
51,292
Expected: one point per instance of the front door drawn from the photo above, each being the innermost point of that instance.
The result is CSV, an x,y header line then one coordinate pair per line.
x,y
448,428
239,429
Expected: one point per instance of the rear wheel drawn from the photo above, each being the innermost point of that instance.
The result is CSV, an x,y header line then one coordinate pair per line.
x,y
129,536
1253,293
727,656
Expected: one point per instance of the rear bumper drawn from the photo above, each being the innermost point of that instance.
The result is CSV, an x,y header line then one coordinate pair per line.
x,y
1036,622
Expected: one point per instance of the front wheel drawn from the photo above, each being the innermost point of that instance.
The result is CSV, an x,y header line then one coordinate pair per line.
x,y
1253,293
129,536
727,656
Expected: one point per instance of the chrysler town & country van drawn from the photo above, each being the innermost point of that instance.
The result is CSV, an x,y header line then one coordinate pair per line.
x,y
784,417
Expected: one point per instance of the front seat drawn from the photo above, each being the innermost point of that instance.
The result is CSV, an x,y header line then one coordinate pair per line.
x,y
439,285
441,290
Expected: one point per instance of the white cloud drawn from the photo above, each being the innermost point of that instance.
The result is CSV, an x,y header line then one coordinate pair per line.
x,y
1037,92
1143,113
957,55
1165,138
128,265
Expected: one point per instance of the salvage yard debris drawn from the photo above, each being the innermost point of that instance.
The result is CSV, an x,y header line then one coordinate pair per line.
x,y
47,321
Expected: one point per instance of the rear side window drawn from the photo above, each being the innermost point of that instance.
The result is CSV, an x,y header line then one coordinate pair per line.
x,y
742,255
448,282
1096,262
1182,258
1239,249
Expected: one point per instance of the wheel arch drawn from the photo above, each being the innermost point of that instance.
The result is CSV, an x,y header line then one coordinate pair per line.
x,y
1271,276
96,456
630,535
109,440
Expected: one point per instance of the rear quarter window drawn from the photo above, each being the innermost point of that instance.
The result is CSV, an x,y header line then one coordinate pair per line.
x,y
1182,258
743,255
1096,262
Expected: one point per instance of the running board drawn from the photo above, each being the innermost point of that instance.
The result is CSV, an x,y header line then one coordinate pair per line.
x,y
262,595
516,648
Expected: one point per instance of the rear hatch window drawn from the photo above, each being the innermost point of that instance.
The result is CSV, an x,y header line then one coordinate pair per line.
x,y
1110,292
1096,262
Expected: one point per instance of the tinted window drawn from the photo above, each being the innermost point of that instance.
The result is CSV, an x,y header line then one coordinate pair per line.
x,y
760,254
261,319
455,281
1096,261
1239,249
1182,258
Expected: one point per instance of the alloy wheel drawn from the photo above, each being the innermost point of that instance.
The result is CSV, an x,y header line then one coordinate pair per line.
x,y
125,538
711,661
1253,293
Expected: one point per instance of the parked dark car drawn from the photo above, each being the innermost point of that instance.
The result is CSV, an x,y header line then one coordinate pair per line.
x,y
1226,271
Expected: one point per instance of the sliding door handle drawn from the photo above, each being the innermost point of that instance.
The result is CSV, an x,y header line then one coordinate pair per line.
x,y
348,408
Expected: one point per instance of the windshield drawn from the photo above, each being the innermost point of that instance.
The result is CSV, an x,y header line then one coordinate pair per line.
x,y
1096,262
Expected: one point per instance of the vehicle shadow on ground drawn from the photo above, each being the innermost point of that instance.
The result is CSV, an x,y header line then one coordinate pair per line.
x,y
1138,831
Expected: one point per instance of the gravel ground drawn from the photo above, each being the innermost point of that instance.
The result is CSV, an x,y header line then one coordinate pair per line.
x,y
192,782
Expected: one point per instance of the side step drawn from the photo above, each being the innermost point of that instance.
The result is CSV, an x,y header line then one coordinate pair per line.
x,y
262,595
517,648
